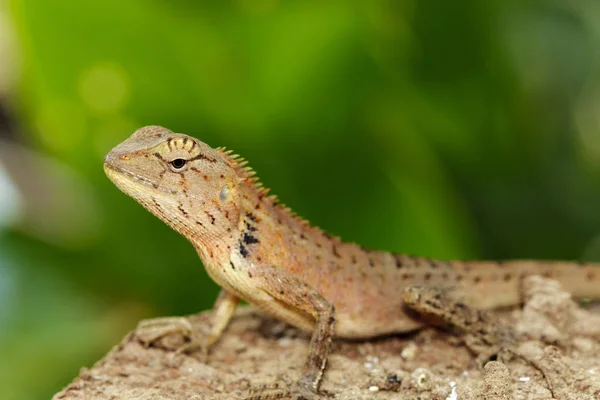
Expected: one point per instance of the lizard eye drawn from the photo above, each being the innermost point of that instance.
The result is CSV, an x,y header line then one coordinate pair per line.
x,y
178,163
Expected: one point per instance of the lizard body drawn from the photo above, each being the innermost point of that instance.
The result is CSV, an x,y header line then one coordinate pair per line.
x,y
258,250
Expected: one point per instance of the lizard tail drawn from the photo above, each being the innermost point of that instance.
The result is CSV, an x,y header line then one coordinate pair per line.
x,y
490,284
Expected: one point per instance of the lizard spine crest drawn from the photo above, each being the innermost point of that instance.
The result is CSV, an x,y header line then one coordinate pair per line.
x,y
249,176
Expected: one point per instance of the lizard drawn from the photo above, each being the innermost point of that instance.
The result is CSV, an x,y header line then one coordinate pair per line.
x,y
258,250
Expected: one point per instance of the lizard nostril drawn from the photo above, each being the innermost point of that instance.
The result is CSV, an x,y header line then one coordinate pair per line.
x,y
124,157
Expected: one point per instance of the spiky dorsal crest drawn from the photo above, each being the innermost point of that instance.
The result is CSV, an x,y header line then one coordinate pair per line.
x,y
247,174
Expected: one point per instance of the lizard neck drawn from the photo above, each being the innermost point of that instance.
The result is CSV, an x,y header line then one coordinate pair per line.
x,y
269,233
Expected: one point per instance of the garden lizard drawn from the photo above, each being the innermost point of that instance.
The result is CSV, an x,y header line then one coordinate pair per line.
x,y
258,250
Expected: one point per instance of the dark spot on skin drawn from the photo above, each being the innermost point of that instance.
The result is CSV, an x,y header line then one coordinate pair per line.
x,y
398,260
302,236
353,259
371,262
206,178
155,185
232,266
591,275
199,223
185,140
427,276
459,278
258,258
432,264
249,239
318,257
203,157
250,228
227,214
431,304
249,274
477,279
331,319
444,275
507,277
243,250
156,204
281,291
222,176
335,251
547,274
252,217
193,145
406,276
212,218
279,221
319,245
157,155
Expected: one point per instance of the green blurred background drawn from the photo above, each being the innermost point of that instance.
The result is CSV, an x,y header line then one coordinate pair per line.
x,y
458,129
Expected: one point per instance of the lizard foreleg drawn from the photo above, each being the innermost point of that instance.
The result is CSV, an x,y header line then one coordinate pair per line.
x,y
298,295
222,312
149,331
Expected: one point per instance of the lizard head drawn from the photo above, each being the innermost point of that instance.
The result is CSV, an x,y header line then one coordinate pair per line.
x,y
183,181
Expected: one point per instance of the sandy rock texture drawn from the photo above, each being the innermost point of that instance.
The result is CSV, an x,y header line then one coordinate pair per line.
x,y
557,357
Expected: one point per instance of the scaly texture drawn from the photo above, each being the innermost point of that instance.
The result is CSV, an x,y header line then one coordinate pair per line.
x,y
258,250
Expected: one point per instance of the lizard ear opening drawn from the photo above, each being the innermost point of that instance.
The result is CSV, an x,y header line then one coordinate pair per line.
x,y
224,194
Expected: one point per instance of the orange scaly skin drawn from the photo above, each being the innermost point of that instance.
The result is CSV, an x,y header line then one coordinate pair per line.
x,y
258,250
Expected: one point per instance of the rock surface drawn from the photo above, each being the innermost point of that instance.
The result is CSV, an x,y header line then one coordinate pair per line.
x,y
560,359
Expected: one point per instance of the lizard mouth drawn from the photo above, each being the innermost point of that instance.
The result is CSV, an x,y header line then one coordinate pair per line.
x,y
116,174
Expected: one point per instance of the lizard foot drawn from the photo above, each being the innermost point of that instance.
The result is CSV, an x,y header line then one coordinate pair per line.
x,y
170,333
175,334
302,389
